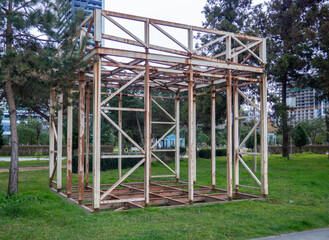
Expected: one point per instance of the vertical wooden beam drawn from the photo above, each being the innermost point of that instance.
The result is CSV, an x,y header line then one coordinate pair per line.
x,y
59,140
191,119
150,171
81,141
213,136
228,48
96,132
190,137
120,137
98,25
236,135
51,135
194,135
229,133
264,153
177,137
147,119
69,150
255,143
147,134
87,132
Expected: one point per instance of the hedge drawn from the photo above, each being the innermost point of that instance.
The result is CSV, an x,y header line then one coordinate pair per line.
x,y
206,153
106,164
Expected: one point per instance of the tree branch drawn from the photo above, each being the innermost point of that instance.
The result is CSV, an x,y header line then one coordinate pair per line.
x,y
22,6
37,111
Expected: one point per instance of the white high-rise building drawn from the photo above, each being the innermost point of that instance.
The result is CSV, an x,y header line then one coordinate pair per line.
x,y
305,105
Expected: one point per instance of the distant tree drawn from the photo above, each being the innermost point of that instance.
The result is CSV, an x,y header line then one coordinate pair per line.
x,y
250,141
290,52
299,137
32,132
320,62
30,33
313,127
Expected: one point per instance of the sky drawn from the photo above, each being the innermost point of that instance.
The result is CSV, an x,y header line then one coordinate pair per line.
x,y
181,11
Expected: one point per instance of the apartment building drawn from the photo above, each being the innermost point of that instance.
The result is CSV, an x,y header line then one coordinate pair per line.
x,y
87,5
305,105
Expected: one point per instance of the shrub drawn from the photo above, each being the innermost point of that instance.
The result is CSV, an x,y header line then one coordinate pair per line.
x,y
221,152
206,153
106,164
299,137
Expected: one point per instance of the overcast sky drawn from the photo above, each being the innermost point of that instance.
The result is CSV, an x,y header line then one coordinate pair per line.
x,y
181,11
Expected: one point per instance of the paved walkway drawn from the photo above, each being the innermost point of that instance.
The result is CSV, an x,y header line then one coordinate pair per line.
x,y
317,234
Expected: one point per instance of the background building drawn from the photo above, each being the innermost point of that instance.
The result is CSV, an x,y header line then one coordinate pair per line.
x,y
305,105
87,5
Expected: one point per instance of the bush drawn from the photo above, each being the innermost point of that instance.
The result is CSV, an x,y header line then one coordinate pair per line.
x,y
221,152
106,164
206,153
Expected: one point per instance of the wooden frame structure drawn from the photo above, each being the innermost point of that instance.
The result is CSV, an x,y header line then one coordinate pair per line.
x,y
178,68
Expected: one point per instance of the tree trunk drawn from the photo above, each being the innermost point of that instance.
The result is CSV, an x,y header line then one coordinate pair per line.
x,y
13,170
284,125
327,121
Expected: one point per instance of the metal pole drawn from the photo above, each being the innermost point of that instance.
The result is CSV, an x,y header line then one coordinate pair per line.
x,y
87,132
81,141
59,141
69,143
213,136
120,137
96,132
229,133
264,153
51,135
177,137
236,135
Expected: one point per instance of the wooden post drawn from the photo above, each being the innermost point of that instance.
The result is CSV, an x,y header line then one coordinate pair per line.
x,y
213,136
120,137
147,118
69,146
264,153
51,135
59,141
194,135
236,135
177,137
81,146
229,133
87,132
190,137
147,134
96,133
255,143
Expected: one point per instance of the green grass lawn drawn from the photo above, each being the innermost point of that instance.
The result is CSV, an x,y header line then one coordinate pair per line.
x,y
28,163
298,200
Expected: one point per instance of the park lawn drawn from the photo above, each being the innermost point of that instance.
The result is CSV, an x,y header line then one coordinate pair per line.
x,y
298,200
28,163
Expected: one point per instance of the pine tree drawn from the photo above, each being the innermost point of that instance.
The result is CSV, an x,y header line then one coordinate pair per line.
x,y
29,65
289,52
299,137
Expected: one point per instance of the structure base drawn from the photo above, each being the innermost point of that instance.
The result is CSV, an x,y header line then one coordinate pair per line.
x,y
166,194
